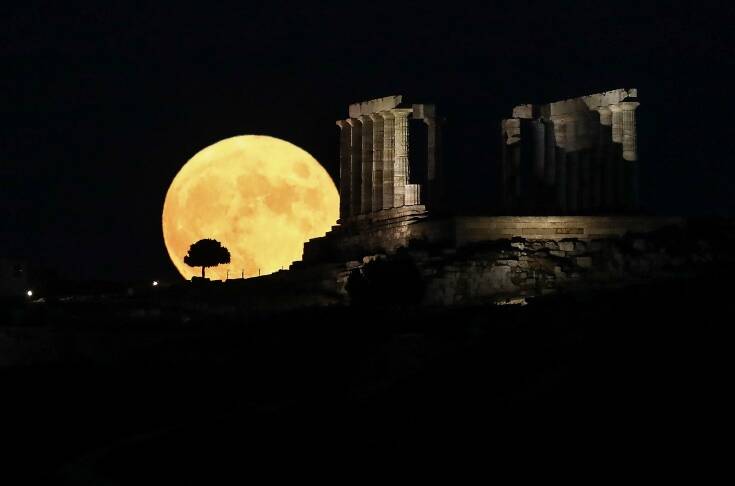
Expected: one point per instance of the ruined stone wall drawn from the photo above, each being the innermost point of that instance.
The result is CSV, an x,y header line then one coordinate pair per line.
x,y
521,267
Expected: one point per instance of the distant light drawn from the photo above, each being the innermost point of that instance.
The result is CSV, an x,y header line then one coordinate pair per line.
x,y
29,293
155,283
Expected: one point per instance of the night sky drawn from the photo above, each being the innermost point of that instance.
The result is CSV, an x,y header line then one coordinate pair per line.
x,y
103,103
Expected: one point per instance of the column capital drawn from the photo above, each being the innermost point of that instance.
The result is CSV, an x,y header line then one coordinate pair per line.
x,y
364,118
341,123
401,112
615,108
629,105
605,115
376,116
353,121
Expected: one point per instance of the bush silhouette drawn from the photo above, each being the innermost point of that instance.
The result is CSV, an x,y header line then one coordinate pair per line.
x,y
391,282
207,253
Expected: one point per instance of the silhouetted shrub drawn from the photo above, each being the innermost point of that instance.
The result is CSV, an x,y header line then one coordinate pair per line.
x,y
392,281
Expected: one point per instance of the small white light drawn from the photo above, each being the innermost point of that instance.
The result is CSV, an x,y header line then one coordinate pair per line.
x,y
29,293
155,283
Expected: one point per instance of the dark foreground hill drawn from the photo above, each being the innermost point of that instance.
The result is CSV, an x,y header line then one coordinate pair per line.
x,y
110,400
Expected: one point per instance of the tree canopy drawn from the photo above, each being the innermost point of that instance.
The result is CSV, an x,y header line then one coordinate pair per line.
x,y
207,253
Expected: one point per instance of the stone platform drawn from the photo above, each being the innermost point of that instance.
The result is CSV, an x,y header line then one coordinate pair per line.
x,y
384,232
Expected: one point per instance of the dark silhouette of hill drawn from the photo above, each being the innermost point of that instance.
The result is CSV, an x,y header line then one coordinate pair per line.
x,y
226,394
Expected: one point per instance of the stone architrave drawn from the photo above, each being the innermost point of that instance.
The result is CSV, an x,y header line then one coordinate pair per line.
x,y
345,175
629,130
378,132
355,165
400,168
388,159
367,164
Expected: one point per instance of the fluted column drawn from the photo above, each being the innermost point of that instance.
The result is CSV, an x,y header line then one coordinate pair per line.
x,y
572,165
345,176
377,120
630,151
388,158
400,168
355,165
550,156
367,164
560,135
617,123
538,135
432,159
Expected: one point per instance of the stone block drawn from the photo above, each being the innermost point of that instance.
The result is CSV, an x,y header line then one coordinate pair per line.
x,y
566,245
557,253
584,262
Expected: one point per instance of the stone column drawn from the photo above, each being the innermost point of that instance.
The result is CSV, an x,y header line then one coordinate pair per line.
x,y
630,151
388,158
400,168
377,120
345,175
572,166
432,156
560,136
549,157
617,123
367,164
538,134
510,164
605,116
356,165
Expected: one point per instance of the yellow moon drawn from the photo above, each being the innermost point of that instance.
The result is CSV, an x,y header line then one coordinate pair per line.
x,y
261,197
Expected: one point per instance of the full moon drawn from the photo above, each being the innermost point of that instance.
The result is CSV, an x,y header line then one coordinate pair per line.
x,y
261,197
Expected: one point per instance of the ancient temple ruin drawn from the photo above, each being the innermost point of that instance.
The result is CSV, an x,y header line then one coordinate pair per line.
x,y
374,158
567,169
576,156
565,213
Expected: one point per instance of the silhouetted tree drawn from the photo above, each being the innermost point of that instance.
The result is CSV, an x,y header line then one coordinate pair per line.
x,y
207,253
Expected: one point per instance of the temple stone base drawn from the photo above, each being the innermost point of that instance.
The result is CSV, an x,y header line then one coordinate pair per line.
x,y
476,260
386,231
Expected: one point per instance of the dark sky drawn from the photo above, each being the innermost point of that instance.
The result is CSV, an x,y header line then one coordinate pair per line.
x,y
103,103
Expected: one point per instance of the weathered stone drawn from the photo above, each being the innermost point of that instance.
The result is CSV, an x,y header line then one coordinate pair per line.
x,y
557,253
584,262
